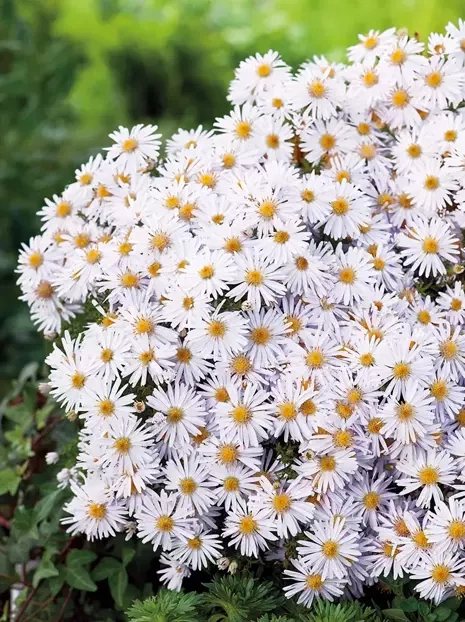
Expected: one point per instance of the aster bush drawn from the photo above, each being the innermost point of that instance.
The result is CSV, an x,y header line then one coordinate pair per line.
x,y
261,332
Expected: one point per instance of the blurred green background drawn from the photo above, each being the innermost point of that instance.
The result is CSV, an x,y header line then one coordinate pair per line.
x,y
72,70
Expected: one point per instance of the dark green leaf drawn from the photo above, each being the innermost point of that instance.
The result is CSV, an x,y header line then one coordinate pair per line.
x,y
9,481
395,614
47,504
24,524
44,570
79,578
443,614
127,555
106,568
79,557
118,585
409,604
56,583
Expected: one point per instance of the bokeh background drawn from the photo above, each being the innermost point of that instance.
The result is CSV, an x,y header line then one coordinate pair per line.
x,y
72,70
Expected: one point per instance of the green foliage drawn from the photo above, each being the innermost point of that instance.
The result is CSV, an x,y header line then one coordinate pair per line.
x,y
344,612
167,607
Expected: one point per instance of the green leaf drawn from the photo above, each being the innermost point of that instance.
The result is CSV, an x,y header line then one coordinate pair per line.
x,y
409,604
19,413
9,481
118,585
79,557
452,603
107,567
45,570
423,608
127,555
42,415
46,505
443,614
24,524
56,583
395,614
79,578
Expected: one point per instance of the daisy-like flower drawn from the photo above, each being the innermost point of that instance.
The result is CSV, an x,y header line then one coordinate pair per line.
x,y
309,584
93,511
330,549
258,278
317,94
286,505
234,484
429,470
199,550
127,445
432,186
182,413
249,530
408,419
450,352
246,417
446,528
452,302
135,148
329,471
354,276
191,483
440,574
161,522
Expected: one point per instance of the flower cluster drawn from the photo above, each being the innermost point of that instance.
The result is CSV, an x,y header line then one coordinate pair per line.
x,y
275,357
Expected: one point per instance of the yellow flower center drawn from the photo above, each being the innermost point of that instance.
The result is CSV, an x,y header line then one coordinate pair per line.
x,y
316,89
401,370
314,582
276,102
194,543
146,357
97,510
287,411
308,196
424,316
439,390
428,476
221,395
248,525
188,486
400,98
342,439
367,359
281,237
144,326
240,364
206,272
457,530
414,151
183,355
455,304
327,142
106,355
315,359
374,425
308,408
241,414
371,500
347,276
232,245
330,549
367,152
106,408
129,145
267,209
229,160
421,540
217,329
78,380
398,57
243,129
370,79
63,209
301,263
85,179
405,412
440,574
160,241
370,42
188,303
450,136
282,503
164,523
327,463
175,414
401,529
264,70
231,484
228,454
340,206
448,349
129,280
254,278
272,141
35,260
434,79
122,445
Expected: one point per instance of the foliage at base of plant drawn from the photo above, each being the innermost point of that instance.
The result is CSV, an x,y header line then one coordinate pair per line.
x,y
247,599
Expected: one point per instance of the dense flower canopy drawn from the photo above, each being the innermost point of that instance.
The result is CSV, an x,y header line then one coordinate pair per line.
x,y
274,352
